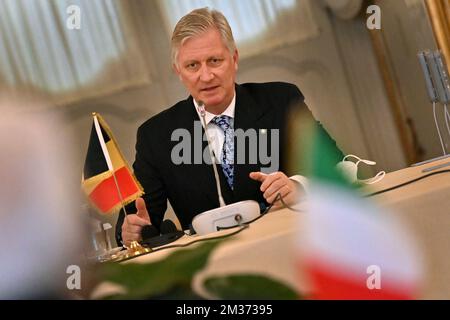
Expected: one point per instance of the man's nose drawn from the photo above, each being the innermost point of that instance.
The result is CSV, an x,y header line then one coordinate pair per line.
x,y
205,74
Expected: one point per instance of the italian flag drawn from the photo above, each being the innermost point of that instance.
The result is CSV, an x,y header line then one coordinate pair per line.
x,y
351,248
107,179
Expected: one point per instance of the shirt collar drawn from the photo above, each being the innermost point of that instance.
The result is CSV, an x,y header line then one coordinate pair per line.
x,y
229,111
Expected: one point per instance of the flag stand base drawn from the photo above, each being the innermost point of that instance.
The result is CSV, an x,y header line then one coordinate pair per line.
x,y
135,249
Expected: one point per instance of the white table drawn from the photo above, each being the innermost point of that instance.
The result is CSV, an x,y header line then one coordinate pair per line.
x,y
268,247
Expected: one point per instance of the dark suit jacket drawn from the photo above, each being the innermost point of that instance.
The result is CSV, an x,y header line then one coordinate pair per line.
x,y
191,188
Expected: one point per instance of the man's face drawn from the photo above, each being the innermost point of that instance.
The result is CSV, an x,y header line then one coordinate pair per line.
x,y
208,70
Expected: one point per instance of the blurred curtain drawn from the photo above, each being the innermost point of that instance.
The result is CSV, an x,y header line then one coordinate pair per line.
x,y
258,25
40,54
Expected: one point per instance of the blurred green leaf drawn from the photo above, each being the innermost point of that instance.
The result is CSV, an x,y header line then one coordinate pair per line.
x,y
169,278
248,286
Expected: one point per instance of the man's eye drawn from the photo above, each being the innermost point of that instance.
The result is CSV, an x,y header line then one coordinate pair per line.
x,y
215,61
191,65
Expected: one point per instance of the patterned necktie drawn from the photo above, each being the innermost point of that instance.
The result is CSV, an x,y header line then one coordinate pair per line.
x,y
226,124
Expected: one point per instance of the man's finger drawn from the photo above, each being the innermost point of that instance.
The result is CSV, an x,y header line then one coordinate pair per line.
x,y
134,219
130,236
284,192
270,179
142,210
258,176
132,228
274,188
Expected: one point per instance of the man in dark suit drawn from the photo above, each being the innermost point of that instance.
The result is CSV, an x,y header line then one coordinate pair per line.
x,y
206,60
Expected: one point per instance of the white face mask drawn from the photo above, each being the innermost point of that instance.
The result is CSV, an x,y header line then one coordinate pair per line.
x,y
349,169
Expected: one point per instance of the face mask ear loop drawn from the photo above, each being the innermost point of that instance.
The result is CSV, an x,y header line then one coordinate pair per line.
x,y
380,175
351,155
368,162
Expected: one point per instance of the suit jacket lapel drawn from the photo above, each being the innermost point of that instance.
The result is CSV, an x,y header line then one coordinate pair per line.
x,y
201,174
247,115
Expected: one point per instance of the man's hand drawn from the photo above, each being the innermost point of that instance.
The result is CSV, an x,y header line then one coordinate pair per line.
x,y
278,183
133,223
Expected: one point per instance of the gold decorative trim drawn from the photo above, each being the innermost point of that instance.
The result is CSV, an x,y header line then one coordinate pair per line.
x,y
439,14
406,132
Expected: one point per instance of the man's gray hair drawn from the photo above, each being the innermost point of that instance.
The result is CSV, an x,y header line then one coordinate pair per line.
x,y
197,22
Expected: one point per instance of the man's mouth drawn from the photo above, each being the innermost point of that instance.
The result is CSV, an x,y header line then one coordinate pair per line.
x,y
209,88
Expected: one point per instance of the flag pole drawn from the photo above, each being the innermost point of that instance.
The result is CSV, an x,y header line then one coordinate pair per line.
x,y
135,248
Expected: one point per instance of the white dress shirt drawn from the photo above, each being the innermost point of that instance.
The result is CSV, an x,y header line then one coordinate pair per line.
x,y
215,133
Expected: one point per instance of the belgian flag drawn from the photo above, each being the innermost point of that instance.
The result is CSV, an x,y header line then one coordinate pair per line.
x,y
107,179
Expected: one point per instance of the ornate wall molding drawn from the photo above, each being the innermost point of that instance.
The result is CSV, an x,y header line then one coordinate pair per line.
x,y
439,13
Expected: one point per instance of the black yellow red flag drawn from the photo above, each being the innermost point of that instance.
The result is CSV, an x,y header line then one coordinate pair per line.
x,y
107,179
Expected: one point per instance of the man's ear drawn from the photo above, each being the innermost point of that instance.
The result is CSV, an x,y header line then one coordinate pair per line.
x,y
236,59
176,70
